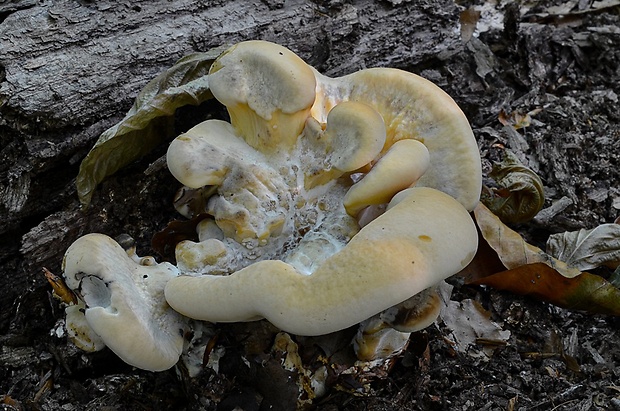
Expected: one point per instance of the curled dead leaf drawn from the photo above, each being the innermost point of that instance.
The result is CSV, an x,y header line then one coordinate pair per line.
x,y
519,194
468,19
535,273
61,290
471,325
149,122
517,119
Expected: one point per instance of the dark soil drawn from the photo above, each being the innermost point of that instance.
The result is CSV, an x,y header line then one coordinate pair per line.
x,y
566,66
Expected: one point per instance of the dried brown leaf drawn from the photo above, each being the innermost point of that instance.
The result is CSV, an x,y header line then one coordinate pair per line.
x,y
511,248
165,241
471,325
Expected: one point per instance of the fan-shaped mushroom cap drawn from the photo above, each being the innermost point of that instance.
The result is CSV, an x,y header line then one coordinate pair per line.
x,y
392,127
402,252
414,108
387,333
207,152
268,91
124,302
401,167
305,162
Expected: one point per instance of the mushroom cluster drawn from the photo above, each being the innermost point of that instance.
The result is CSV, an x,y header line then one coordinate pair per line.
x,y
335,201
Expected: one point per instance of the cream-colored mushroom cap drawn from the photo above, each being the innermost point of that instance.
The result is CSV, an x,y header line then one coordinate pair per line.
x,y
402,252
387,333
207,152
268,91
414,108
79,332
401,167
355,134
124,302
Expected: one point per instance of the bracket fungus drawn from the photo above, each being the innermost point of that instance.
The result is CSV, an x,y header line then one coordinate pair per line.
x,y
122,304
333,201
303,157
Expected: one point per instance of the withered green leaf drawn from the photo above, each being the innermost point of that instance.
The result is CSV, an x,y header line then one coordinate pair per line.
x,y
149,122
587,249
519,195
586,292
